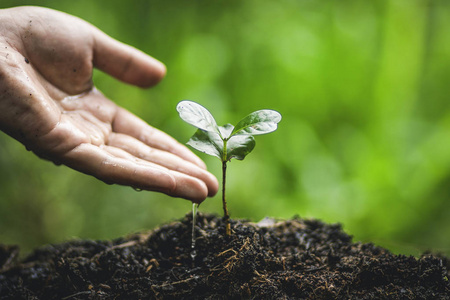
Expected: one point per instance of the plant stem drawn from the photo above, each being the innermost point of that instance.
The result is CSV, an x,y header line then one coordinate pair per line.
x,y
226,216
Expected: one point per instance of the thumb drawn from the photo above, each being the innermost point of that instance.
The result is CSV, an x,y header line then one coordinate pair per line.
x,y
125,62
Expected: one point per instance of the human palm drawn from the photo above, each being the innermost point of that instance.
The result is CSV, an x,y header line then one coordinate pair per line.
x,y
48,102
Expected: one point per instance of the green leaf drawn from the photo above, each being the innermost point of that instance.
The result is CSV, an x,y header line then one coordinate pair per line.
x,y
207,142
226,130
212,144
238,141
258,122
198,116
239,146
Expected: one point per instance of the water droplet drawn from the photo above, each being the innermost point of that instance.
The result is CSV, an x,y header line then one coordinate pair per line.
x,y
137,189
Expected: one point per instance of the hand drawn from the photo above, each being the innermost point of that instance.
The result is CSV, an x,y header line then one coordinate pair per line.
x,y
48,103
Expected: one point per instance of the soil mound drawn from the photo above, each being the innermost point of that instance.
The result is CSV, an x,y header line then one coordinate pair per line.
x,y
294,259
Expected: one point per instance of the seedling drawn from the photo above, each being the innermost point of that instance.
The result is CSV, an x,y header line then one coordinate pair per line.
x,y
227,141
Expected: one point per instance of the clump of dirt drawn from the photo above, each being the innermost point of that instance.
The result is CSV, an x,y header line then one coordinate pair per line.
x,y
294,259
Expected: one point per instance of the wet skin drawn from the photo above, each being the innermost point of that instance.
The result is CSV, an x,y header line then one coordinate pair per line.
x,y
48,102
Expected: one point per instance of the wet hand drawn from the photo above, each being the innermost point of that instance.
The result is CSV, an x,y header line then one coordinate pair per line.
x,y
48,102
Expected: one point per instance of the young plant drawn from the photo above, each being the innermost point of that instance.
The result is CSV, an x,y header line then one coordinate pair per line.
x,y
227,141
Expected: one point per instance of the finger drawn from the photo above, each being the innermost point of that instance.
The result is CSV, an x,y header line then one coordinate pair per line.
x,y
127,123
166,159
95,161
125,62
118,152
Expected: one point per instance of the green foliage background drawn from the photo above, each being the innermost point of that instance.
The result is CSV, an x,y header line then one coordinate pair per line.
x,y
363,87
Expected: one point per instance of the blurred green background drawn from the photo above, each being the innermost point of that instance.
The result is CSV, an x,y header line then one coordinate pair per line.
x,y
363,87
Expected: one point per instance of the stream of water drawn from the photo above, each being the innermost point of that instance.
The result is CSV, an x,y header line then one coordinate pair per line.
x,y
194,219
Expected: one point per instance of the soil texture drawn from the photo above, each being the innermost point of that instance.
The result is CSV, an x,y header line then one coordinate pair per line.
x,y
294,259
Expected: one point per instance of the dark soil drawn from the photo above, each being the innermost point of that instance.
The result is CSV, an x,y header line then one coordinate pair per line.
x,y
295,259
